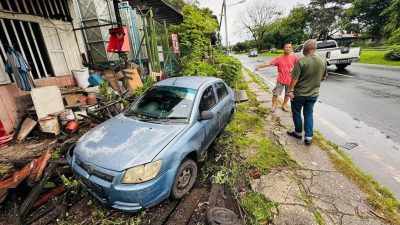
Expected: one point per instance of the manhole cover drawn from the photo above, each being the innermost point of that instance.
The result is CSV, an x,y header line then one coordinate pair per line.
x,y
349,146
222,216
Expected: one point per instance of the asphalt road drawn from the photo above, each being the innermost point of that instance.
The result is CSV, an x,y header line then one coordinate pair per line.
x,y
360,105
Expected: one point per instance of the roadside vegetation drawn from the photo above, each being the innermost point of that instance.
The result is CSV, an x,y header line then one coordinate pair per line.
x,y
379,197
376,57
246,152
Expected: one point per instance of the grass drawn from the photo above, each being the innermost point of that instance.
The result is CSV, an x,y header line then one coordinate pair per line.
x,y
260,208
376,57
379,197
270,54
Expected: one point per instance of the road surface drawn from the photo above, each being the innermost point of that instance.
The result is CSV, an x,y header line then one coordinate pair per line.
x,y
358,107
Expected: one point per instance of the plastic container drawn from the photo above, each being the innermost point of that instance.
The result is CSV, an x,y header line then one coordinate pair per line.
x,y
82,77
95,79
71,127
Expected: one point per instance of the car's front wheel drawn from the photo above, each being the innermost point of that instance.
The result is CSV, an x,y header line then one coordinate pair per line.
x,y
184,179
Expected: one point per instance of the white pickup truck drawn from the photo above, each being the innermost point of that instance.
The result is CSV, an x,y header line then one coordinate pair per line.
x,y
334,55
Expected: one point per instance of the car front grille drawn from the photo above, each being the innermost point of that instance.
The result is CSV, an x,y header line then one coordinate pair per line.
x,y
91,171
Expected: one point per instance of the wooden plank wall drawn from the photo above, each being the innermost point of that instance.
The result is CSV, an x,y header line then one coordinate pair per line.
x,y
10,104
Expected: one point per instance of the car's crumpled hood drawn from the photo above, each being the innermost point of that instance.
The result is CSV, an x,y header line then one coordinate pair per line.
x,y
123,142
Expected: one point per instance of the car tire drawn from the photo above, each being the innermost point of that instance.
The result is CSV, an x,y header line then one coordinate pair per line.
x,y
184,179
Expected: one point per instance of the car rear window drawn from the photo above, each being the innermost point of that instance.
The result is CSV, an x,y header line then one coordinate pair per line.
x,y
327,44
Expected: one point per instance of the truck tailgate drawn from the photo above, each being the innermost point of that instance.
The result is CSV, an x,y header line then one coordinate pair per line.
x,y
345,53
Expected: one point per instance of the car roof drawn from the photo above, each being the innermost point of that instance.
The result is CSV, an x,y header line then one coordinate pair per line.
x,y
192,82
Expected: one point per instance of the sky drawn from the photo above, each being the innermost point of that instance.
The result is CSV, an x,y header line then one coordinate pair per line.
x,y
235,34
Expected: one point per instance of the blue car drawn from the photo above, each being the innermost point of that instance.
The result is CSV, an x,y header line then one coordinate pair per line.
x,y
141,157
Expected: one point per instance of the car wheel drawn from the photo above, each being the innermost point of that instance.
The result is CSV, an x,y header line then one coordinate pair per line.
x,y
184,179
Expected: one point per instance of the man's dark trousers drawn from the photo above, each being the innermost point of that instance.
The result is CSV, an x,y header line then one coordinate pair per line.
x,y
307,103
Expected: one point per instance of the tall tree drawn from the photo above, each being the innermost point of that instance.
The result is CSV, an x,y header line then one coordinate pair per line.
x,y
369,14
257,16
393,15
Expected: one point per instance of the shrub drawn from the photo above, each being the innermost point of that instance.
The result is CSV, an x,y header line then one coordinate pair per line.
x,y
394,38
230,68
393,54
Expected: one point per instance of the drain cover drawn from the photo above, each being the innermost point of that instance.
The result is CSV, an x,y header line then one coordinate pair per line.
x,y
349,145
222,216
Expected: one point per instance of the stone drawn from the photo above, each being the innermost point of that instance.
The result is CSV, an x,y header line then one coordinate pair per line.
x,y
263,98
294,215
355,220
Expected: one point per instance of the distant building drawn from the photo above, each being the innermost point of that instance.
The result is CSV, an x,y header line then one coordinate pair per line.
x,y
344,39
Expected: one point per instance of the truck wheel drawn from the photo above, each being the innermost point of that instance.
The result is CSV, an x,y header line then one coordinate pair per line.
x,y
184,179
341,66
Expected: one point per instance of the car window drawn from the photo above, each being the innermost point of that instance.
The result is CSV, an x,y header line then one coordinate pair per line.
x,y
221,90
165,102
207,100
326,44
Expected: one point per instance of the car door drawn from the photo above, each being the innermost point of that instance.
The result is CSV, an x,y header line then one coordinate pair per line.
x,y
208,101
223,104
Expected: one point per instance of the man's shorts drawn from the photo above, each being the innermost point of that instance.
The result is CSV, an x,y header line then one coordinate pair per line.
x,y
279,88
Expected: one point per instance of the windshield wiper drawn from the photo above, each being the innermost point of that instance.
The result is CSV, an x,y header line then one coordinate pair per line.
x,y
172,118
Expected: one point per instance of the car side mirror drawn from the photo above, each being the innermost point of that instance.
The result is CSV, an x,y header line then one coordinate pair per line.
x,y
206,115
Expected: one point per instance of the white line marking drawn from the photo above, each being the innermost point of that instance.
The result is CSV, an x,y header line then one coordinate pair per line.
x,y
339,74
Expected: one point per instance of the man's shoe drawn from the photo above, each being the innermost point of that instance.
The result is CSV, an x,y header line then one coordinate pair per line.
x,y
307,141
294,134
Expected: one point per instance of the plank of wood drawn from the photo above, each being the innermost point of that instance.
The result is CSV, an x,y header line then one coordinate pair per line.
x,y
184,210
26,128
212,199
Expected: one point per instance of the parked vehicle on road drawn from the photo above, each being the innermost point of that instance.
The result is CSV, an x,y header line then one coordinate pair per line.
x,y
253,53
148,153
341,57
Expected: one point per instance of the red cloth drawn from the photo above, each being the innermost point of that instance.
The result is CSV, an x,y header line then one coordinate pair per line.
x,y
2,130
285,66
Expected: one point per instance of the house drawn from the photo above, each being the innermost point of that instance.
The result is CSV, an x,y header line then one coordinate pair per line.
x,y
43,32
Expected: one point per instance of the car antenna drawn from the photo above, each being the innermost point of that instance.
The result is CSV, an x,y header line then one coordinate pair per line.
x,y
173,83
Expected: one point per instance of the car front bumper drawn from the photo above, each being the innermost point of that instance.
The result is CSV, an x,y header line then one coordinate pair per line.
x,y
125,197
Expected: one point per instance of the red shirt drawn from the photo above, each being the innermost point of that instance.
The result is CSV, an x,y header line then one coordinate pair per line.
x,y
285,66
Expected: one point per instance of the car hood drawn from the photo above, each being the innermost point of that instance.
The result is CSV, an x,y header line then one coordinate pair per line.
x,y
123,142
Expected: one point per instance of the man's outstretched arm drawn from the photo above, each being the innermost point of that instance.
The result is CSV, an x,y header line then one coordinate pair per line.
x,y
267,64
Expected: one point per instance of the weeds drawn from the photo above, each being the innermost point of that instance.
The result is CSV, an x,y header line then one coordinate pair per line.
x,y
259,206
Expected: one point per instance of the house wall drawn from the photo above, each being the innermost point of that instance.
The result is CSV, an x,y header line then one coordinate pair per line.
x,y
64,47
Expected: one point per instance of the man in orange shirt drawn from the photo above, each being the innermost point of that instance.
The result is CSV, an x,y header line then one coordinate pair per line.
x,y
285,64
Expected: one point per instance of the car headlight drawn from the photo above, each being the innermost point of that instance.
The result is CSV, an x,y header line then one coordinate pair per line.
x,y
142,173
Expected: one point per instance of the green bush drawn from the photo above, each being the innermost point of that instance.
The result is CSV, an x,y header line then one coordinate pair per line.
x,y
393,54
394,38
230,68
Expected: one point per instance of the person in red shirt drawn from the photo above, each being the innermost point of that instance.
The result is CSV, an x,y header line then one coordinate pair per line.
x,y
285,64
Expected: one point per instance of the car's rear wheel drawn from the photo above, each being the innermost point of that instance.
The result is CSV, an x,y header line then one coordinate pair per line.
x,y
184,179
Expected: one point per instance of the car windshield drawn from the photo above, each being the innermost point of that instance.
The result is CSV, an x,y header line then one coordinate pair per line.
x,y
327,44
164,102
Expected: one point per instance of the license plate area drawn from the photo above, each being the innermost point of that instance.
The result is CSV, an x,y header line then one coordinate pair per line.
x,y
343,61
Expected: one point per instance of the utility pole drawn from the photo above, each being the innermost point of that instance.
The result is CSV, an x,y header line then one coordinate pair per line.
x,y
226,28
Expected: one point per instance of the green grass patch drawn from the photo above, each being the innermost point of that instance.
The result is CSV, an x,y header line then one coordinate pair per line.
x,y
376,57
259,207
379,197
271,54
269,155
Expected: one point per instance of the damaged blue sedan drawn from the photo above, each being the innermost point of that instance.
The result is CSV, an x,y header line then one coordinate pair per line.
x,y
147,154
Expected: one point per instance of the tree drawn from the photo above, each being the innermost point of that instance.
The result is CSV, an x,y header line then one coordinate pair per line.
x,y
393,15
257,17
369,14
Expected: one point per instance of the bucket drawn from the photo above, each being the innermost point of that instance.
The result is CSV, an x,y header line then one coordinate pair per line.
x,y
82,77
71,127
95,79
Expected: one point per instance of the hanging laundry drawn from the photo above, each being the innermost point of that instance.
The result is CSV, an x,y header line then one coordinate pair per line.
x,y
17,65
